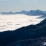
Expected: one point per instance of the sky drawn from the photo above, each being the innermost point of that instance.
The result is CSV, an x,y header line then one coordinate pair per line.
x,y
19,5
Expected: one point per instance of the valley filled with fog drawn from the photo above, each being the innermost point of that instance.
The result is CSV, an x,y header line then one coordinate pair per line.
x,y
15,21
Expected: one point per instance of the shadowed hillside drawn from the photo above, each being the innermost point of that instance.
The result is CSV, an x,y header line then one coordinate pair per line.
x,y
32,35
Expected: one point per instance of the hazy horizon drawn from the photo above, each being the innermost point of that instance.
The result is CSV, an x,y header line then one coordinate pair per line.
x,y
23,10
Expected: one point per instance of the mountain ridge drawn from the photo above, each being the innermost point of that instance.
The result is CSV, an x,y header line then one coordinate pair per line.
x,y
31,12
35,32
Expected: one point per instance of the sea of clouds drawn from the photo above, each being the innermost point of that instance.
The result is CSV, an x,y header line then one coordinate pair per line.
x,y
15,21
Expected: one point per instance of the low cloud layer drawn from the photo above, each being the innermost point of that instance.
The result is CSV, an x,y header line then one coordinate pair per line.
x,y
13,22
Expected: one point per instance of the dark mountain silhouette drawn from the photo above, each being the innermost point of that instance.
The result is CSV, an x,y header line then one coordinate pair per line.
x,y
32,35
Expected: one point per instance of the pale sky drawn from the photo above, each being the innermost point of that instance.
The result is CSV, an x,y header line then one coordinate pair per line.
x,y
19,5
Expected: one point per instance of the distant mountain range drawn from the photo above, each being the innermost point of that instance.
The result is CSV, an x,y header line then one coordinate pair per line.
x,y
22,12
35,12
7,12
31,12
33,35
